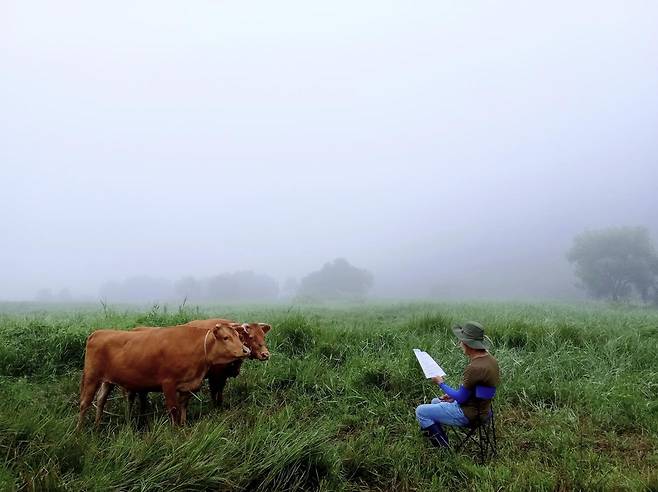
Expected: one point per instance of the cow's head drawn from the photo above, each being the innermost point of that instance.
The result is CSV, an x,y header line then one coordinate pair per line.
x,y
227,347
253,336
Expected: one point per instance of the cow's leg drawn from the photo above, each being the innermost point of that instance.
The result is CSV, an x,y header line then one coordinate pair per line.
x,y
143,405
130,402
143,402
106,389
171,401
88,388
233,370
217,383
183,400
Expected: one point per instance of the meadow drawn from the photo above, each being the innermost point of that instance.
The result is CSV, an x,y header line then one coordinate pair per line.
x,y
333,409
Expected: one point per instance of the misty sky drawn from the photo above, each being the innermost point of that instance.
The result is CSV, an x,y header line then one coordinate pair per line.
x,y
430,142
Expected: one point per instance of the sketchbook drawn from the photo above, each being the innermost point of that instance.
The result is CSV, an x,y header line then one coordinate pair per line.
x,y
428,365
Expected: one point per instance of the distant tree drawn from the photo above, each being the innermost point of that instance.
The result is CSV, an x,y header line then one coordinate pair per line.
x,y
613,263
290,287
188,288
64,295
336,280
241,286
44,295
110,290
222,287
137,289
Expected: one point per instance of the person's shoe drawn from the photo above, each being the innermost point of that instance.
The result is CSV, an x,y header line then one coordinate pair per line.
x,y
436,435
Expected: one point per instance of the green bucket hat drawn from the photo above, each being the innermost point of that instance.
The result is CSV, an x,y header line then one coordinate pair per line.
x,y
472,334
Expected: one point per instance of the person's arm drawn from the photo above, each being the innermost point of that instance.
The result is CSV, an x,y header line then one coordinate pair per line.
x,y
460,396
465,390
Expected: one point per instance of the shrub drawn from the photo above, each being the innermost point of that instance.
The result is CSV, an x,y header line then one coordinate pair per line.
x,y
433,324
333,354
294,336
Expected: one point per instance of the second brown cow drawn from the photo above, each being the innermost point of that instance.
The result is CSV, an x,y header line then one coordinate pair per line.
x,y
252,335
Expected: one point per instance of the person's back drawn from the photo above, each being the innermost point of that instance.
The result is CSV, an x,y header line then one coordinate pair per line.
x,y
481,371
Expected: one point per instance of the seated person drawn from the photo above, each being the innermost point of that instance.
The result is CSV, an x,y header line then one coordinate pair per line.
x,y
459,407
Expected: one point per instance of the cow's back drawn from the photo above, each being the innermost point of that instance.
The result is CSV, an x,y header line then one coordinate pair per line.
x,y
144,359
209,324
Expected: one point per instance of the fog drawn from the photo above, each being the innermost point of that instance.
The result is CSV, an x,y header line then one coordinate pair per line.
x,y
452,149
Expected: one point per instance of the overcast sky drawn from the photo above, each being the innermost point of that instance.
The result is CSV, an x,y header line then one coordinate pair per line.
x,y
430,142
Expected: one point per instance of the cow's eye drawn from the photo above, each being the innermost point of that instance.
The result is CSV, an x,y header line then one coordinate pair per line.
x,y
225,338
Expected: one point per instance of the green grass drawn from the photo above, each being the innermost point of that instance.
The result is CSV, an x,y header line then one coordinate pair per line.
x,y
334,407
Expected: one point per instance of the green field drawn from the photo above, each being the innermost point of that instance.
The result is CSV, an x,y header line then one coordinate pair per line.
x,y
334,407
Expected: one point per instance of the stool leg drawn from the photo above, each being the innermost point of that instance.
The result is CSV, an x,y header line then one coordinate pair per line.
x,y
493,428
464,439
481,444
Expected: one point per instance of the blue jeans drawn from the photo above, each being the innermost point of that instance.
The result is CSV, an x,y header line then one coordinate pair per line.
x,y
440,412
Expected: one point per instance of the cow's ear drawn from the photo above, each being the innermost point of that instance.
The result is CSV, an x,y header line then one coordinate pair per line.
x,y
265,327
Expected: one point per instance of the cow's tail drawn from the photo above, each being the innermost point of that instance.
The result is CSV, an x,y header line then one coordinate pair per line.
x,y
82,382
84,366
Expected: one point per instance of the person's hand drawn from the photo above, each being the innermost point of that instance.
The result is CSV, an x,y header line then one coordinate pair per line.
x,y
437,379
446,398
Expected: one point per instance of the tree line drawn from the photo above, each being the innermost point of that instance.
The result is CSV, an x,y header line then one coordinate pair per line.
x,y
616,264
336,280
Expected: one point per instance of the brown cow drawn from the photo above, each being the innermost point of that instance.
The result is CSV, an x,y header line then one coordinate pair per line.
x,y
172,360
253,336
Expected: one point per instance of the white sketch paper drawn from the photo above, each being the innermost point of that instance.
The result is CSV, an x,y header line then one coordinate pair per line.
x,y
428,365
